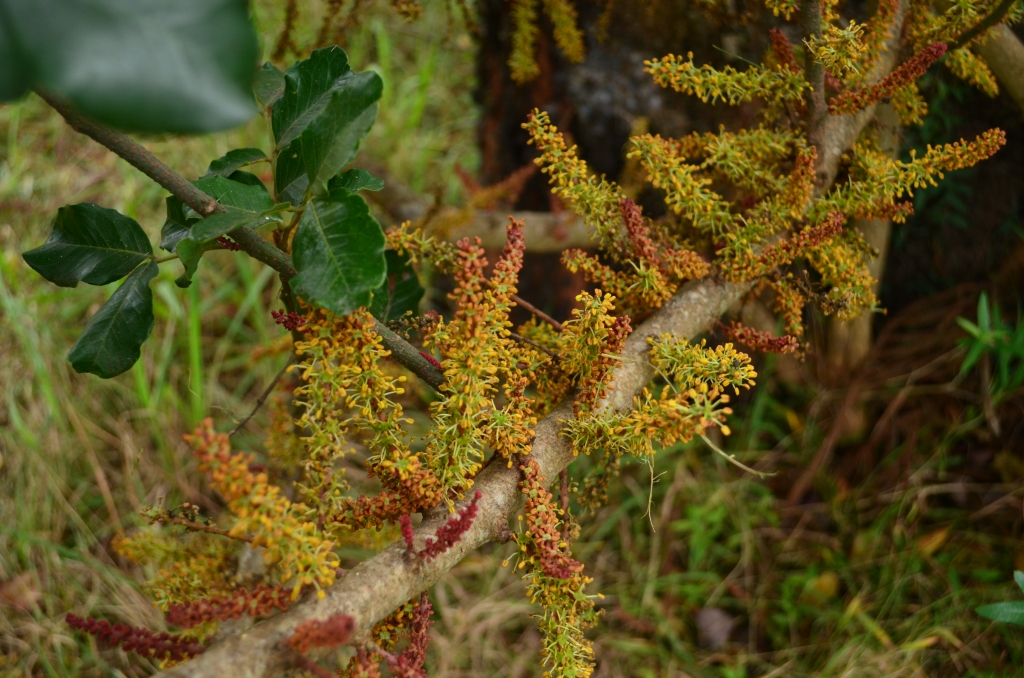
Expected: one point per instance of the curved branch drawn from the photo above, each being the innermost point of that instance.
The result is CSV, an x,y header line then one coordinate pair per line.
x,y
375,587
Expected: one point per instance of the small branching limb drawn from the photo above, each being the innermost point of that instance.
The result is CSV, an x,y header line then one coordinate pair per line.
x,y
556,580
331,632
728,85
687,192
294,547
592,339
477,349
757,340
595,200
141,641
852,101
259,602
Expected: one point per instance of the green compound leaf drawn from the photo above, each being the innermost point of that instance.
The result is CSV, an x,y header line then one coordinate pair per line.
x,y
332,139
401,291
233,160
245,205
308,86
176,226
91,244
1008,612
112,341
290,180
269,84
339,252
355,180
320,119
146,65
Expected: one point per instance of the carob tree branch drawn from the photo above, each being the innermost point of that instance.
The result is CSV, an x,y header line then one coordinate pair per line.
x,y
376,587
379,585
251,242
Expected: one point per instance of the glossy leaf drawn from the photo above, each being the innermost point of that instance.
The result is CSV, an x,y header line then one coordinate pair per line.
x,y
1011,612
332,139
176,226
355,180
147,65
233,160
112,341
290,180
90,244
268,84
339,252
401,291
245,205
308,86
1018,577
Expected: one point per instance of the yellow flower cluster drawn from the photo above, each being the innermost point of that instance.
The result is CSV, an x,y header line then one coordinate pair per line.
x,y
839,49
728,85
522,62
477,351
596,200
292,546
591,340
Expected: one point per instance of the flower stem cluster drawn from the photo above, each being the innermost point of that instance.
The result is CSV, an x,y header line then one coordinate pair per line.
x,y
294,547
331,632
259,602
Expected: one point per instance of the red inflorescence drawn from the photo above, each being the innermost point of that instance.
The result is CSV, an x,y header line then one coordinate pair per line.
x,y
291,321
852,101
760,341
406,523
256,603
228,244
783,50
331,632
450,533
431,359
409,664
142,641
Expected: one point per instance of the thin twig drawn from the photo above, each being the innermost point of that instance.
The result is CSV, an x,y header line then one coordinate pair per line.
x,y
251,242
263,397
199,527
731,458
531,342
537,312
988,22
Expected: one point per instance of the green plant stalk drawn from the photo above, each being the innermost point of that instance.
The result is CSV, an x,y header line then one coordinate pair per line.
x,y
195,355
